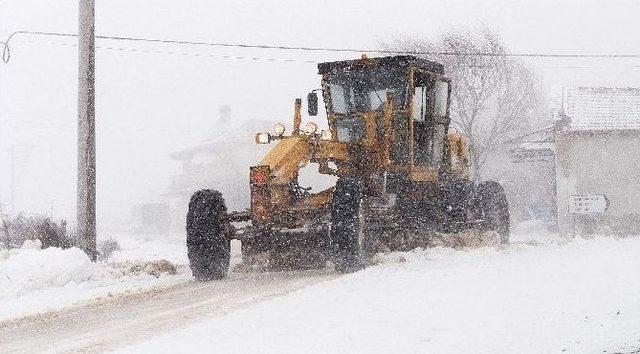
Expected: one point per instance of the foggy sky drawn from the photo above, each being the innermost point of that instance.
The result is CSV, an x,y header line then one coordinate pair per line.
x,y
149,105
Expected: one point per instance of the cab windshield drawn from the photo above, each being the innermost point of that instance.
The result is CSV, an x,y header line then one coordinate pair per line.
x,y
366,90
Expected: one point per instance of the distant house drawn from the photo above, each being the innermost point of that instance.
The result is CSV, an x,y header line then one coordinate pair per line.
x,y
221,162
530,185
597,148
151,218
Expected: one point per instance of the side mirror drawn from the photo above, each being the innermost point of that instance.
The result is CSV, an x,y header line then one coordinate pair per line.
x,y
312,103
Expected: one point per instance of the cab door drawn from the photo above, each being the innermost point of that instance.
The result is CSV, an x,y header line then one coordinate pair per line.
x,y
429,122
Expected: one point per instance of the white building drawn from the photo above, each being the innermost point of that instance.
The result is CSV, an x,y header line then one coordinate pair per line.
x,y
597,144
222,163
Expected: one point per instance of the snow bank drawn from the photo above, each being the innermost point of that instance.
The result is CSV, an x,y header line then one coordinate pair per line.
x,y
577,297
533,231
149,248
34,280
141,248
30,268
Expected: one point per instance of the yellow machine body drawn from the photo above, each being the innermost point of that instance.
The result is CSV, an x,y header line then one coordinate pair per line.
x,y
276,197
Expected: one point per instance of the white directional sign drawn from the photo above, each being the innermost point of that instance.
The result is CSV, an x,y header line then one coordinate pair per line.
x,y
588,203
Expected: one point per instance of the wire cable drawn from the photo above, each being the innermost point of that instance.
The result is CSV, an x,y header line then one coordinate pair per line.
x,y
185,54
6,53
287,60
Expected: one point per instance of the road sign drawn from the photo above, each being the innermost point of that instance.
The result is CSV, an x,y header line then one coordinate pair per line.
x,y
588,203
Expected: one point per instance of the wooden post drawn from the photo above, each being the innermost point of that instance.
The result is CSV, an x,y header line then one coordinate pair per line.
x,y
86,193
297,116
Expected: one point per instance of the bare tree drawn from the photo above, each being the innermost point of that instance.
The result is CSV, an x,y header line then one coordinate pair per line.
x,y
494,97
5,227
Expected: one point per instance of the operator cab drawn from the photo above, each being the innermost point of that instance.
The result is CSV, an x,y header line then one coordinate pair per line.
x,y
354,90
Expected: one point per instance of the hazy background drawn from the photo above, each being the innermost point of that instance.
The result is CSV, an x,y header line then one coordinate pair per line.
x,y
152,104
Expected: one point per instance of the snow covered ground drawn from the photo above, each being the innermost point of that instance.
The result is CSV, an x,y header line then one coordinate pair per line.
x,y
540,296
34,280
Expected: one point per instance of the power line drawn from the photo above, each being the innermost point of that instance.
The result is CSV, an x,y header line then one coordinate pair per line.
x,y
286,60
587,67
6,54
187,54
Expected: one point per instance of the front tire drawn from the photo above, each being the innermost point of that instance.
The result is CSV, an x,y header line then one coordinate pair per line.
x,y
208,242
347,235
494,209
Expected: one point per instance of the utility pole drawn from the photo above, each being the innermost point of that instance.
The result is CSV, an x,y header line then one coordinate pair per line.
x,y
86,204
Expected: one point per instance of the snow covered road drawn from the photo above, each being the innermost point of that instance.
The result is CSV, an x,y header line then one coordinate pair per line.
x,y
579,296
109,323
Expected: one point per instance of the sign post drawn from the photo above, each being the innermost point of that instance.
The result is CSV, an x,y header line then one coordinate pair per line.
x,y
588,203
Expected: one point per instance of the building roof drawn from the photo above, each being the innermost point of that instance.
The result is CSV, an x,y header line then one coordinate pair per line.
x,y
535,146
228,133
602,108
399,61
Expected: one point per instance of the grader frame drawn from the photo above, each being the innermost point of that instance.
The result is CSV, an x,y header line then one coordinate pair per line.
x,y
396,161
277,172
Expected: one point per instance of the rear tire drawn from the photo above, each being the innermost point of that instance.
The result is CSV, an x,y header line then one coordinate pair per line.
x,y
347,235
494,209
208,242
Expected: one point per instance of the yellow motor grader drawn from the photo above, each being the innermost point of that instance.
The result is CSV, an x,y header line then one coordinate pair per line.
x,y
401,172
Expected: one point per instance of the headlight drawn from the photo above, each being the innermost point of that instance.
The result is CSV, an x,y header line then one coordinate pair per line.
x,y
263,138
278,129
310,128
326,135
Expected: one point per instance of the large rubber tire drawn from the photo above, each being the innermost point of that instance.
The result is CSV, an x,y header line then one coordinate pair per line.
x,y
347,235
494,209
208,242
452,205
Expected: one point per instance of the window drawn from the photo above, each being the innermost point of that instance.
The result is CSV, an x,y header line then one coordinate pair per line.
x,y
439,135
441,105
421,118
429,118
338,98
378,98
419,102
365,90
442,98
350,129
400,143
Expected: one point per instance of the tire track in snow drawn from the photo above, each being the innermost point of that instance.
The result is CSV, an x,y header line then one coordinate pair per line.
x,y
109,323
